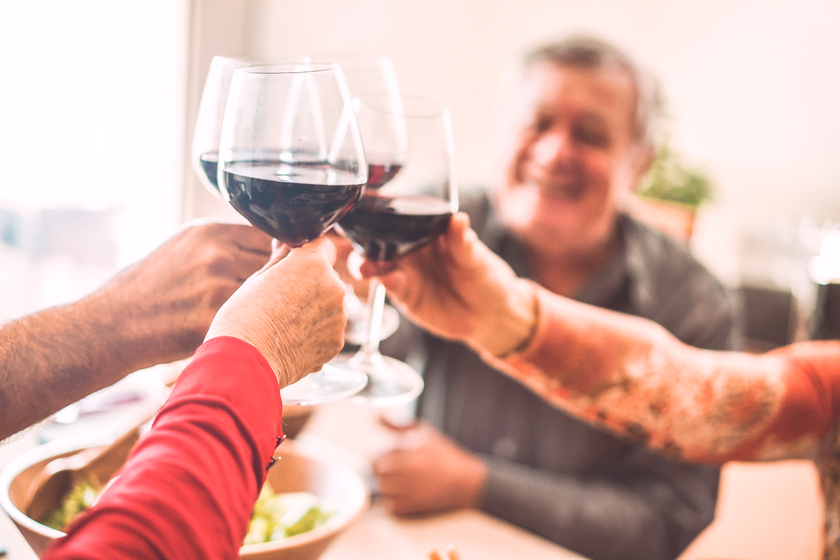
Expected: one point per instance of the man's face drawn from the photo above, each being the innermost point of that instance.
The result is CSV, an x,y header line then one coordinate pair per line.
x,y
569,157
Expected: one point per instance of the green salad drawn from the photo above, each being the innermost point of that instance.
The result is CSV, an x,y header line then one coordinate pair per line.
x,y
81,497
277,516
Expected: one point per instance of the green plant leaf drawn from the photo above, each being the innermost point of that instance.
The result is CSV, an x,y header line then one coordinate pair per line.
x,y
670,181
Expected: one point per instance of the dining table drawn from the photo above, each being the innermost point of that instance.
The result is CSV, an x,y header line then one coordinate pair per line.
x,y
353,434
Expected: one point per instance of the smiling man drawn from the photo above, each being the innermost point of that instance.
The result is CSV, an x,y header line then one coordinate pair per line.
x,y
576,137
573,145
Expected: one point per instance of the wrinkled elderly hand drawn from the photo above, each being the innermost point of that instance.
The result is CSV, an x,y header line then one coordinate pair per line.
x,y
154,311
292,310
426,472
165,302
457,288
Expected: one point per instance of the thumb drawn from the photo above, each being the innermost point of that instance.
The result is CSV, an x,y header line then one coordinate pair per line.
x,y
397,425
393,281
459,223
464,250
459,236
278,253
457,243
321,247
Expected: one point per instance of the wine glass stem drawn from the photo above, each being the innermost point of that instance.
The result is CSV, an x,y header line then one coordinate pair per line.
x,y
376,305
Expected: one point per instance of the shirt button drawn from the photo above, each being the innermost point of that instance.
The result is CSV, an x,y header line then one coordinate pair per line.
x,y
504,447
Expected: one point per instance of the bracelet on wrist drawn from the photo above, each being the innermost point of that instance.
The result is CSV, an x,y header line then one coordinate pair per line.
x,y
532,331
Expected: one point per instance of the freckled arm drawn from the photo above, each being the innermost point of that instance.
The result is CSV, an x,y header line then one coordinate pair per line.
x,y
631,375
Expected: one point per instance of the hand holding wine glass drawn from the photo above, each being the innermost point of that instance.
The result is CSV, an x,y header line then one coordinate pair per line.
x,y
291,161
410,197
458,289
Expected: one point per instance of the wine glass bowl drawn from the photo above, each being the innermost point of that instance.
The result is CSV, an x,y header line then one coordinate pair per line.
x,y
412,191
290,155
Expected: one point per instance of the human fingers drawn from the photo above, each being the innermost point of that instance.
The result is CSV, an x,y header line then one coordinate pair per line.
x,y
280,248
341,242
231,252
390,468
394,489
279,251
242,237
313,296
404,485
458,227
448,248
461,247
322,247
395,425
299,262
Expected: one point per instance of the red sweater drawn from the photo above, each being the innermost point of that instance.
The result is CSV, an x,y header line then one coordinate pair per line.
x,y
188,488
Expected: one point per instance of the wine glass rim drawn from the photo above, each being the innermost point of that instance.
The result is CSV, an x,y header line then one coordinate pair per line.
x,y
357,59
290,68
261,60
411,106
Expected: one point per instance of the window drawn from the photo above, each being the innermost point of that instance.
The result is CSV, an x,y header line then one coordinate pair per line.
x,y
91,142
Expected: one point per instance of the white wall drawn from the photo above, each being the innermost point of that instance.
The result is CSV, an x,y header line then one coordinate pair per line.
x,y
753,86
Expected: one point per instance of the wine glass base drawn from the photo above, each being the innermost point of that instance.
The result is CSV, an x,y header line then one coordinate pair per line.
x,y
390,382
330,383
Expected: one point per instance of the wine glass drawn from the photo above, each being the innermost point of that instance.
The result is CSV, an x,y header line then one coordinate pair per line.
x,y
365,73
208,124
291,161
410,197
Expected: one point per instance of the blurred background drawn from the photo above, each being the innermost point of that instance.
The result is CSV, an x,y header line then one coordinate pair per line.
x,y
99,100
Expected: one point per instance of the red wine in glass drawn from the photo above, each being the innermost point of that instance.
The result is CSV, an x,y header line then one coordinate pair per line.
x,y
388,227
381,173
294,204
209,163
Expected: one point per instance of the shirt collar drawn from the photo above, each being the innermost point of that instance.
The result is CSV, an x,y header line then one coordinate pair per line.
x,y
628,269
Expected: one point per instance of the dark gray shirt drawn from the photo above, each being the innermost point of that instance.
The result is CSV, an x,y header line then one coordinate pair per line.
x,y
549,473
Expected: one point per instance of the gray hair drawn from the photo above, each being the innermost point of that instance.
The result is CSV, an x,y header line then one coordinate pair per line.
x,y
592,54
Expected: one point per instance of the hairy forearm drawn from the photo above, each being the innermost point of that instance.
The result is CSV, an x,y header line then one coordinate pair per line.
x,y
57,356
631,375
